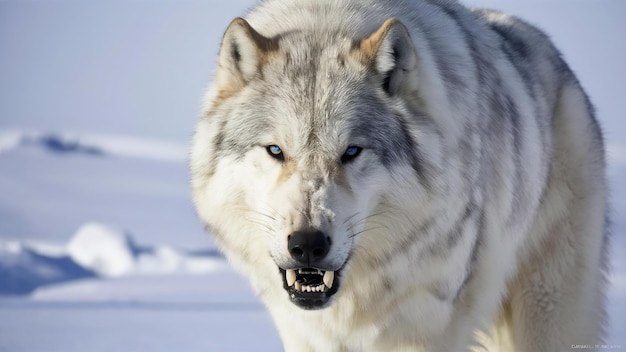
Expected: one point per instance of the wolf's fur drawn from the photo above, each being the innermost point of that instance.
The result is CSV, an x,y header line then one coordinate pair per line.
x,y
475,213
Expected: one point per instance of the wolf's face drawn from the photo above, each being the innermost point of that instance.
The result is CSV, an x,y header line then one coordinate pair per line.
x,y
302,135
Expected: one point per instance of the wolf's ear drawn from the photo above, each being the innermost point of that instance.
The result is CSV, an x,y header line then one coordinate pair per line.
x,y
241,55
390,52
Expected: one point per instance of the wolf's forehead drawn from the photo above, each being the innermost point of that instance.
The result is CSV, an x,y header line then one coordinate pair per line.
x,y
311,45
313,54
312,82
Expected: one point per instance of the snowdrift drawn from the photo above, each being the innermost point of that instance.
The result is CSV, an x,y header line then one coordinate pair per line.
x,y
95,145
96,250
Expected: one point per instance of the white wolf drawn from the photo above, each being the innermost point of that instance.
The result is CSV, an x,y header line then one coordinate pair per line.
x,y
405,175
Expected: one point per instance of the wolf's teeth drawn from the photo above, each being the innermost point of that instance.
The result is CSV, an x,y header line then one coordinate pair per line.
x,y
329,277
290,275
298,286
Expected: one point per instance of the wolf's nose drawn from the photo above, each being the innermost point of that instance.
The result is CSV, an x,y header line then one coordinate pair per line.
x,y
308,247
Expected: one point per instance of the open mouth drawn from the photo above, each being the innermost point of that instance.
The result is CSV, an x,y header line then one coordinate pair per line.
x,y
310,288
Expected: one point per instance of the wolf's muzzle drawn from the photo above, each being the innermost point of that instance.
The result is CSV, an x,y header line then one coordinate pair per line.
x,y
308,286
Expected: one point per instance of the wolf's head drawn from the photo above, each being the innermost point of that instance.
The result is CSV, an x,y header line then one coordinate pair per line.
x,y
307,140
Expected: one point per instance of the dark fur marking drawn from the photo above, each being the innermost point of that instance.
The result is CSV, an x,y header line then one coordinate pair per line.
x,y
388,136
406,243
387,81
234,51
386,85
473,257
455,82
502,107
517,52
235,54
218,143
412,152
515,45
456,233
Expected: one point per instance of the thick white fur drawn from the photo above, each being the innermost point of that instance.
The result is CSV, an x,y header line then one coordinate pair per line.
x,y
537,280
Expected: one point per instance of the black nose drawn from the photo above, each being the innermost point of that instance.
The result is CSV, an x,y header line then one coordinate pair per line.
x,y
308,247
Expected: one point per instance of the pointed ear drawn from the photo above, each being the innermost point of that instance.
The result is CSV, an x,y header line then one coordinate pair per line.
x,y
241,56
390,52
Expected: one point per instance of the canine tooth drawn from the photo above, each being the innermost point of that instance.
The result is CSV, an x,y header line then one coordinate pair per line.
x,y
320,288
290,275
298,286
329,277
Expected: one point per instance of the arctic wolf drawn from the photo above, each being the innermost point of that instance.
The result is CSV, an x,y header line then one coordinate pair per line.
x,y
405,175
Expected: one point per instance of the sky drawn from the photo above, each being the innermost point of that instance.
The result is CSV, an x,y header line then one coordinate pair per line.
x,y
113,67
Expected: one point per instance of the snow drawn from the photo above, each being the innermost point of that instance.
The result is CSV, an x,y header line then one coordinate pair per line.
x,y
135,297
96,250
22,269
103,250
113,145
48,195
100,247
215,312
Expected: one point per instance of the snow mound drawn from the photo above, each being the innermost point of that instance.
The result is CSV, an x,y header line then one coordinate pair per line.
x,y
22,269
99,145
166,260
111,252
60,144
96,250
105,250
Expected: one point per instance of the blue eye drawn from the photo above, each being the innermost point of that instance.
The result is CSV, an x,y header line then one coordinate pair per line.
x,y
350,153
275,152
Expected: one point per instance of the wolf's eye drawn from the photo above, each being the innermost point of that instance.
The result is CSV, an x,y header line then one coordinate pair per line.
x,y
275,152
351,153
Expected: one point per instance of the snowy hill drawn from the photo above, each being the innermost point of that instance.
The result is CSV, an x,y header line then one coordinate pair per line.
x,y
97,145
134,183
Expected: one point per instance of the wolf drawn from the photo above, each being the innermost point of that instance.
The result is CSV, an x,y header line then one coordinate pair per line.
x,y
405,175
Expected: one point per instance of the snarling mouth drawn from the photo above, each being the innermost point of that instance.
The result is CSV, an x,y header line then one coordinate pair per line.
x,y
310,288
